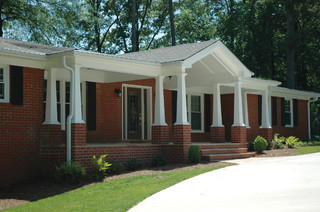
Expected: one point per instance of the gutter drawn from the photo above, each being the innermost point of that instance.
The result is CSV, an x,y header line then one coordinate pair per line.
x,y
69,119
309,121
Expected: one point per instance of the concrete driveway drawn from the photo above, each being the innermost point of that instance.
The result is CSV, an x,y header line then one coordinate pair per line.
x,y
268,184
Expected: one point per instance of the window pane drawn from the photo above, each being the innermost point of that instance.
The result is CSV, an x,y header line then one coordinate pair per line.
x,y
287,106
195,104
288,118
1,91
1,74
196,121
58,90
68,92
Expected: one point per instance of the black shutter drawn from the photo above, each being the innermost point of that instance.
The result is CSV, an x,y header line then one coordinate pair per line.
x,y
91,106
174,107
259,109
295,112
274,111
16,85
207,106
283,115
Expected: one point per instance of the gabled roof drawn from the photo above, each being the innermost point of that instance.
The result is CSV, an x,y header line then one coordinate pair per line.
x,y
168,54
30,48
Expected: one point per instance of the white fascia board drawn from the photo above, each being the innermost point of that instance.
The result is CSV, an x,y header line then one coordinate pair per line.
x,y
225,51
258,84
293,94
105,62
22,59
198,56
169,69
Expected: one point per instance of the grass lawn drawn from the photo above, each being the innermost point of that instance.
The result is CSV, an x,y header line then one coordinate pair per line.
x,y
117,195
310,149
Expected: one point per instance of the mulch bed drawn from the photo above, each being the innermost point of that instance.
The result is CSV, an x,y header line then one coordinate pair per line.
x,y
42,188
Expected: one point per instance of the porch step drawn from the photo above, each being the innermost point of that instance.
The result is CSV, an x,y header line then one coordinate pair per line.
x,y
218,157
223,145
223,151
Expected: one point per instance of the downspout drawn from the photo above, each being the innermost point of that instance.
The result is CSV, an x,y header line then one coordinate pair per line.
x,y
309,121
69,119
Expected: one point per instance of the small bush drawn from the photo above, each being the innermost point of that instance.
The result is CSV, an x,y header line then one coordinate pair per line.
x,y
70,173
116,168
134,164
194,154
159,160
260,144
100,167
278,143
292,141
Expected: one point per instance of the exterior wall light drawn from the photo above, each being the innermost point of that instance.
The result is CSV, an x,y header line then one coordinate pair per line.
x,y
118,92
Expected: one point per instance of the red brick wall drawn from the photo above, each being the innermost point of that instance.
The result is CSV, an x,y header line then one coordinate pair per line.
x,y
20,131
109,111
227,113
300,131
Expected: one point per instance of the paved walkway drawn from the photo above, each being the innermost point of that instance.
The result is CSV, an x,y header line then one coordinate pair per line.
x,y
276,184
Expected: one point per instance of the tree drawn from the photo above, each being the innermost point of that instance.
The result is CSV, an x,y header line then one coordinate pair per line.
x,y
173,30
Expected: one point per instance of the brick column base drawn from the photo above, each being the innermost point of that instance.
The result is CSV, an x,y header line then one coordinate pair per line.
x,y
239,134
266,133
217,135
51,134
160,134
182,140
78,134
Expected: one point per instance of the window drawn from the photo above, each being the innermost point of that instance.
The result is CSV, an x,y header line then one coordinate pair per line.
x,y
4,84
195,112
288,112
58,98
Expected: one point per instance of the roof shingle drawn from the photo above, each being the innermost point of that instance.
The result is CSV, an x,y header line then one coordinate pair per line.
x,y
31,48
168,54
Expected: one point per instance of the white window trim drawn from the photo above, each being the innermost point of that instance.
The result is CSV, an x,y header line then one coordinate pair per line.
x,y
6,80
201,108
291,113
124,110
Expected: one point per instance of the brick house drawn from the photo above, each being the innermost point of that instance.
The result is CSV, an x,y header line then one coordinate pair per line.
x,y
59,104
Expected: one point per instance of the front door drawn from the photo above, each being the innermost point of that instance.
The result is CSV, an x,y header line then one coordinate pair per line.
x,y
134,116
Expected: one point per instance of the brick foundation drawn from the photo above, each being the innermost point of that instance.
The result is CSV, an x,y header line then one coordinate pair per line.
x,y
266,133
78,134
182,134
160,134
217,134
238,134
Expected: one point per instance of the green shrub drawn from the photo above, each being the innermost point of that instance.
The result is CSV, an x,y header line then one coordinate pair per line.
x,y
100,166
260,144
194,154
116,168
159,160
70,173
134,164
292,141
278,143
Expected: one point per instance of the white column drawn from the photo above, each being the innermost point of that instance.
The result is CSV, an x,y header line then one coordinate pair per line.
x,y
265,119
76,96
216,116
181,100
51,101
237,114
245,110
159,116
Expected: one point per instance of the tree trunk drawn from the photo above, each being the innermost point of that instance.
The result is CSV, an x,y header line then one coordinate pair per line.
x,y
291,22
173,31
1,21
134,27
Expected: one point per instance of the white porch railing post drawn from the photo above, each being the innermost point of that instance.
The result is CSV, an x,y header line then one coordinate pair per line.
x,y
76,96
238,116
216,116
265,110
181,100
245,109
159,119
51,101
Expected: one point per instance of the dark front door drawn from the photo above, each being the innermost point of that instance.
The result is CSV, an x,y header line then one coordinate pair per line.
x,y
134,113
